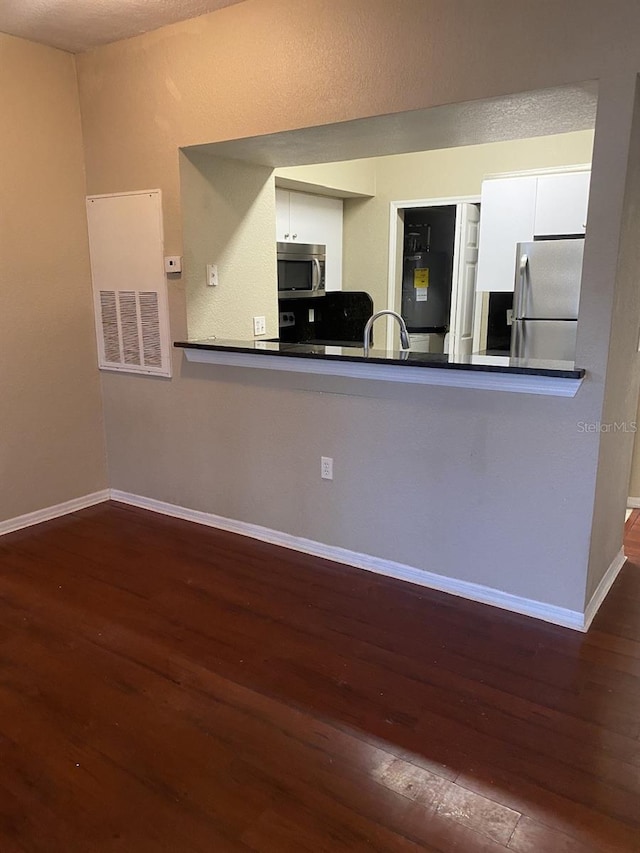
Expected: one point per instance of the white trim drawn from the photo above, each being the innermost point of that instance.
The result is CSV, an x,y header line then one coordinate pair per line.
x,y
533,173
465,589
46,514
448,201
394,207
603,588
130,192
633,503
480,319
552,386
388,568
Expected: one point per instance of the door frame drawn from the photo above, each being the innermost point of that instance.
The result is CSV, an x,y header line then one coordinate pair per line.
x,y
394,208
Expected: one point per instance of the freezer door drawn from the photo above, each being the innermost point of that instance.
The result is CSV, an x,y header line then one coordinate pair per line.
x,y
546,339
548,279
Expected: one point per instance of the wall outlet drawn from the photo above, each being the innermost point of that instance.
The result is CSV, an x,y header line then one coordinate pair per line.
x,y
173,264
286,318
212,275
259,326
326,467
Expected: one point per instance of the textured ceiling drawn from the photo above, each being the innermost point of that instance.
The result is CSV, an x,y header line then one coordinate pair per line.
x,y
528,114
79,25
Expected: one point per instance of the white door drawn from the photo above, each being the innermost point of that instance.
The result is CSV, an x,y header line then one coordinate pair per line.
x,y
561,204
465,267
283,229
312,215
508,210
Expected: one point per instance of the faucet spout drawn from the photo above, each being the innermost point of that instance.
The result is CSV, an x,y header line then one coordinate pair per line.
x,y
404,334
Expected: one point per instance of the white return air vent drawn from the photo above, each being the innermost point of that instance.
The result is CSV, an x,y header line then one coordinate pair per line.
x,y
130,328
127,266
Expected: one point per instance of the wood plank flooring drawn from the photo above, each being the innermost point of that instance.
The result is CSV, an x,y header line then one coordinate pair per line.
x,y
169,687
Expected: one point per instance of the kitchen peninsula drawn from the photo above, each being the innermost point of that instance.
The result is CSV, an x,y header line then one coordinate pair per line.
x,y
490,372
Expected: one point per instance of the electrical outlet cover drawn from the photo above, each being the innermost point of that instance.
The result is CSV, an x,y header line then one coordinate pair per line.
x,y
212,275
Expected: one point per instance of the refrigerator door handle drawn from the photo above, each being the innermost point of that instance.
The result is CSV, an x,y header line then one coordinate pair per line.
x,y
522,283
515,339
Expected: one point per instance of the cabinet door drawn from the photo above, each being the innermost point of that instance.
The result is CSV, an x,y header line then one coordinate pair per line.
x,y
507,213
318,219
561,204
283,230
312,216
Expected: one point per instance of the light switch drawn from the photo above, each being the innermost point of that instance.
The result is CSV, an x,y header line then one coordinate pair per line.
x,y
212,275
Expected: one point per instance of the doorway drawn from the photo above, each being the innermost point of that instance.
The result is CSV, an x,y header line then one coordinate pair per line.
x,y
433,257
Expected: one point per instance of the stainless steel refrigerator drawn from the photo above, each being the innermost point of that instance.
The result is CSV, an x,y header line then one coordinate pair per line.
x,y
546,298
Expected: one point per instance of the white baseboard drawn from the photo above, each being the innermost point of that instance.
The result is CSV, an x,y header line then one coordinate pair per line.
x,y
465,589
49,512
633,503
603,588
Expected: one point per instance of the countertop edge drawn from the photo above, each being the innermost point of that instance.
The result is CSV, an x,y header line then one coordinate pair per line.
x,y
575,374
380,369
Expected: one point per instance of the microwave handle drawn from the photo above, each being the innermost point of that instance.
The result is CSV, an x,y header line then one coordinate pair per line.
x,y
318,276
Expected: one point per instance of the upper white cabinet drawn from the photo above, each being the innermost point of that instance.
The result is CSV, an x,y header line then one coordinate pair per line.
x,y
561,204
306,218
507,215
516,209
283,216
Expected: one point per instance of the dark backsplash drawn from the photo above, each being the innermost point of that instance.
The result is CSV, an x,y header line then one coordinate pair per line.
x,y
339,316
498,332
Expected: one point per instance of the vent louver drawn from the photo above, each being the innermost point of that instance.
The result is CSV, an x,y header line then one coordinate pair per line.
x,y
150,322
110,334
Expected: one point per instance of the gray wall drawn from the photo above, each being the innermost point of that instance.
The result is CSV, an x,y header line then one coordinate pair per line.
x,y
490,487
51,430
616,154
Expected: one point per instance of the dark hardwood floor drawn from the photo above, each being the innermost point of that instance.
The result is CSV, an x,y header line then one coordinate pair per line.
x,y
168,687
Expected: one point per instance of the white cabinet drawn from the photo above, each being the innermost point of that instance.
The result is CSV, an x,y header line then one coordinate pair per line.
x,y
507,213
518,208
283,227
306,218
561,204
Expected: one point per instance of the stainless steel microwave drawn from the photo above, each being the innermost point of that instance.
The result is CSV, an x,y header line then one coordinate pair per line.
x,y
301,270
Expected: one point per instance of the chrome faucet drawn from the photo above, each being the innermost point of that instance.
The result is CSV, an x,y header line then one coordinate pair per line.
x,y
404,334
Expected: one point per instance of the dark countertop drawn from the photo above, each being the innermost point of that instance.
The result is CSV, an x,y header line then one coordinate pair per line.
x,y
476,362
